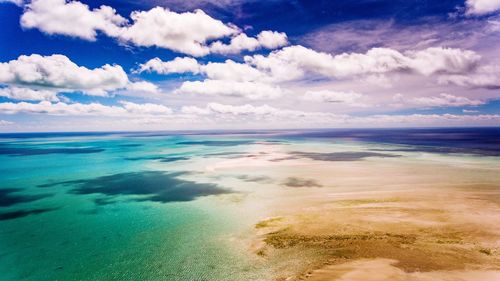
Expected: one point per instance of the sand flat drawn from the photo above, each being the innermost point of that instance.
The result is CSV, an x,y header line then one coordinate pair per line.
x,y
385,219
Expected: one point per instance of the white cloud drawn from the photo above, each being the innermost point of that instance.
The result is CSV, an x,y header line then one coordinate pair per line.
x,y
142,86
60,108
71,18
218,114
247,109
5,122
230,70
487,76
350,98
159,27
227,78
427,120
146,108
469,111
187,33
252,114
445,100
259,76
18,93
177,65
272,39
182,32
442,60
239,43
58,73
249,113
251,90
16,2
127,109
481,7
266,39
295,61
227,70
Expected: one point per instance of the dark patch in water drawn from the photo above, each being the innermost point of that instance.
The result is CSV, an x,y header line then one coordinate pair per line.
x,y
104,201
298,182
130,145
259,179
154,185
27,151
226,155
23,213
141,158
7,198
161,158
270,142
216,143
173,159
339,156
434,149
481,141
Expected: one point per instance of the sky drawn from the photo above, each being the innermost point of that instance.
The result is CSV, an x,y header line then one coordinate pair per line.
x,y
248,64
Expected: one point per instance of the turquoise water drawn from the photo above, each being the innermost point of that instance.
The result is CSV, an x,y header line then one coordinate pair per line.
x,y
141,207
68,214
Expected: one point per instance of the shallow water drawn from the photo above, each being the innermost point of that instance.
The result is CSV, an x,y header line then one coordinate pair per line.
x,y
143,206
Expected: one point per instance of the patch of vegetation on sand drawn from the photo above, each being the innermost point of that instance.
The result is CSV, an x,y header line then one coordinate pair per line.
x,y
355,202
411,253
270,222
486,251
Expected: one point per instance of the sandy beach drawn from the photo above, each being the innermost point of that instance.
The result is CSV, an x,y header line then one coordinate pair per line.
x,y
424,217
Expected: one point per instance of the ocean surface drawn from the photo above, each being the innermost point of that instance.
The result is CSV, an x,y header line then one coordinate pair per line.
x,y
161,206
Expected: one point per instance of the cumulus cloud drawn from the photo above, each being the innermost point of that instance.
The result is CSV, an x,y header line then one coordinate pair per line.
x,y
295,61
71,18
217,108
487,76
227,70
251,90
79,109
251,113
177,65
17,93
182,32
227,78
481,7
146,108
188,32
272,39
265,39
445,100
238,43
231,70
427,119
58,73
259,76
142,86
327,96
5,122
247,114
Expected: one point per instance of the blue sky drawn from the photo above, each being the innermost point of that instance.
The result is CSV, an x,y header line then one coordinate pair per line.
x,y
224,64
